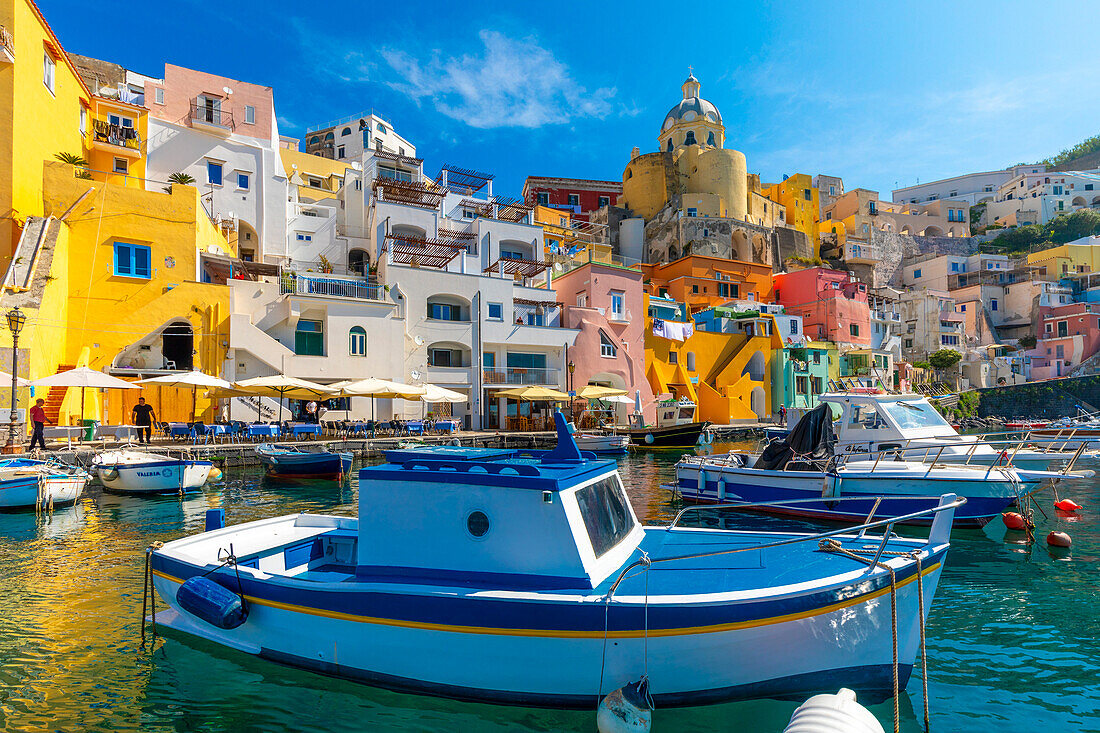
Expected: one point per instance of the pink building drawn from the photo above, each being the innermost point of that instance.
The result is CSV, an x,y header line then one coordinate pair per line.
x,y
605,303
212,103
833,305
1068,335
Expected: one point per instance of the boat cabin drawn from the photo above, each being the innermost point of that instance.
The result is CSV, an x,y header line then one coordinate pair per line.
x,y
538,519
879,419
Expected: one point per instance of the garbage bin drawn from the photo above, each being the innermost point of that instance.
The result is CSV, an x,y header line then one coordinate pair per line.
x,y
89,428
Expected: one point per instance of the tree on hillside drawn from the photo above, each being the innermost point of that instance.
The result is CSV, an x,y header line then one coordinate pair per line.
x,y
944,359
1084,147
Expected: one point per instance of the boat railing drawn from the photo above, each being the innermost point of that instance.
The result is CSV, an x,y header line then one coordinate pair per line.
x,y
947,502
906,449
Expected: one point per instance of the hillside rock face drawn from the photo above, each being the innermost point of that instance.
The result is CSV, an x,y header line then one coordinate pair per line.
x,y
898,248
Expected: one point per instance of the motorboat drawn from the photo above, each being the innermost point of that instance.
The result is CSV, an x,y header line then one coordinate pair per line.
x,y
602,443
527,579
871,421
129,471
283,462
1071,430
28,483
805,467
676,426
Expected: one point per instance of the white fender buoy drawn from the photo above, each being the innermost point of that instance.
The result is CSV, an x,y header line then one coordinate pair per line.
x,y
649,437
628,709
839,713
830,486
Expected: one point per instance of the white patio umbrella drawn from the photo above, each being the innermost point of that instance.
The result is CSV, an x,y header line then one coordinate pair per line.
x,y
281,387
193,379
5,381
84,378
373,388
434,394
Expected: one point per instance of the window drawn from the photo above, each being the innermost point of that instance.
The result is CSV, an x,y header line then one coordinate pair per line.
x,y
1088,186
916,273
345,132
574,199
865,417
49,67
618,305
488,360
303,237
694,289
496,311
603,201
213,173
521,360
692,212
543,198
962,308
242,181
908,343
710,140
605,513
340,152
806,194
853,329
469,214
83,120
949,340
309,339
607,346
582,300
444,312
993,304
689,138
801,385
444,358
673,357
1063,328
872,207
133,260
1059,351
358,345
158,95
381,129
866,228
249,114
121,166
817,357
378,144
794,325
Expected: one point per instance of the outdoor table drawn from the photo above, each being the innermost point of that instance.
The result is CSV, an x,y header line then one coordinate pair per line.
x,y
414,427
179,430
263,431
64,431
358,427
447,426
217,429
300,429
120,432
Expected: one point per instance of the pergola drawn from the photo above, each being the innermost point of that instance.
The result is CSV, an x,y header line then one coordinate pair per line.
x,y
517,266
509,209
403,159
413,193
422,251
222,269
462,180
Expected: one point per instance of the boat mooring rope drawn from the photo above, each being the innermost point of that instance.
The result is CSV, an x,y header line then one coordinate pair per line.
x,y
645,562
148,592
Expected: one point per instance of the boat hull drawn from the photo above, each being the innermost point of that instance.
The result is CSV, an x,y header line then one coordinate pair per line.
x,y
673,436
160,477
412,640
985,500
25,493
605,445
292,465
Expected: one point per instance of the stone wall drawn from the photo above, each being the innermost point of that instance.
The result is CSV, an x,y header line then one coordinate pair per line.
x,y
897,248
1048,400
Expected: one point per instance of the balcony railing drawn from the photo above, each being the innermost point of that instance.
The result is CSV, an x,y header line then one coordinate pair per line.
x,y
290,284
537,315
214,116
124,137
7,44
518,375
570,261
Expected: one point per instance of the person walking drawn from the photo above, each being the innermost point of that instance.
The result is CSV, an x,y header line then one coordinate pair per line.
x,y
38,420
143,416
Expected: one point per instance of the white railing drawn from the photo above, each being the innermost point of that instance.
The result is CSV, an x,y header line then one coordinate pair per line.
x,y
520,375
290,284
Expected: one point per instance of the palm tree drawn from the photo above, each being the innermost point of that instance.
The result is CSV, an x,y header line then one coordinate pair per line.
x,y
77,161
183,179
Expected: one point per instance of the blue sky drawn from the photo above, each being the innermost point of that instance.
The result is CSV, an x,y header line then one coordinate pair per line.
x,y
878,93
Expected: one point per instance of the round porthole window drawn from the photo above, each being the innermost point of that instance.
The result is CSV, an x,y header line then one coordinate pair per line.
x,y
477,524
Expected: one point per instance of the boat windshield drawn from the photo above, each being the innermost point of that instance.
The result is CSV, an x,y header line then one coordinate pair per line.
x,y
909,415
605,514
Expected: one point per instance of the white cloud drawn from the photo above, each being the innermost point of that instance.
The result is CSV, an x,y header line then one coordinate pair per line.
x,y
511,83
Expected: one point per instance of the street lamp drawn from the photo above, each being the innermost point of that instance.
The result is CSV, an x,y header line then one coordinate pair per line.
x,y
571,367
16,319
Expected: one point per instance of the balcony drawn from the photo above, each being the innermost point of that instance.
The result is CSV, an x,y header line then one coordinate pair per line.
x,y
116,139
211,119
290,284
886,316
520,376
864,254
449,375
7,46
537,313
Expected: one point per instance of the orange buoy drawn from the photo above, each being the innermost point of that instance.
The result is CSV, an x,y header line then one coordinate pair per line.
x,y
1014,520
1067,505
1059,539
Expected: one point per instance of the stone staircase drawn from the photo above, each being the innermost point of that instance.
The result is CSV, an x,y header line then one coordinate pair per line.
x,y
56,396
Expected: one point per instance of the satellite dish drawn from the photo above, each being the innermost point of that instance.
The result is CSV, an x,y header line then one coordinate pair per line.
x,y
415,374
227,90
419,341
362,124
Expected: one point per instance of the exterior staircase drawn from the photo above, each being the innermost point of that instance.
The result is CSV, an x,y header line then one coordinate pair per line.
x,y
56,396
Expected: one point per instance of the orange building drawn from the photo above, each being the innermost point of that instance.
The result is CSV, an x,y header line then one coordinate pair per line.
x,y
703,282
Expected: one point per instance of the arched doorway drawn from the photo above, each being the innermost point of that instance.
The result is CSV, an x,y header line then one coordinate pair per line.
x,y
740,245
756,402
359,262
178,346
932,231
755,367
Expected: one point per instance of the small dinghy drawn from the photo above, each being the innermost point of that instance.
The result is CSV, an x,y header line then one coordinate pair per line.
x,y
27,483
127,471
603,444
459,554
283,462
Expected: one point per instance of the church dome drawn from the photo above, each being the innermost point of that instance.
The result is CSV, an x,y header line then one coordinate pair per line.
x,y
692,107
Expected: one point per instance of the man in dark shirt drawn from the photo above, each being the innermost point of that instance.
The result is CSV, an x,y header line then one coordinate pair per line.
x,y
143,416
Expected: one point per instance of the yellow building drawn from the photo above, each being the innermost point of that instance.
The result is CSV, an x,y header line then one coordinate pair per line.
x,y
726,373
44,109
317,178
116,140
1066,259
801,205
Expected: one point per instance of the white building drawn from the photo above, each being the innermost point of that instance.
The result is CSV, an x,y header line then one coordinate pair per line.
x,y
349,138
973,188
1036,198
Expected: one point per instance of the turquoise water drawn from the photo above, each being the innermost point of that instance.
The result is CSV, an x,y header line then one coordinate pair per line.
x,y
1013,639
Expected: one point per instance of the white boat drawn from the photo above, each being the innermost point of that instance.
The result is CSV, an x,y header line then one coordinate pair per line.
x,y
27,483
907,424
528,580
603,444
136,472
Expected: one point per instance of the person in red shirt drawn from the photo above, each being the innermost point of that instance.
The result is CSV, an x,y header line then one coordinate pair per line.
x,y
39,420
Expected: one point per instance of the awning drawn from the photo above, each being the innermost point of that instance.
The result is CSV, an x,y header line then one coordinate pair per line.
x,y
523,267
422,252
222,268
413,193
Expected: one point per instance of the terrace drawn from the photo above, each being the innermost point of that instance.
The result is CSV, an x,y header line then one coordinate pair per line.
x,y
117,139
207,114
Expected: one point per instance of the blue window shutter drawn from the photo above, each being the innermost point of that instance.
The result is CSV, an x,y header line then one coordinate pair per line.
x,y
142,258
123,264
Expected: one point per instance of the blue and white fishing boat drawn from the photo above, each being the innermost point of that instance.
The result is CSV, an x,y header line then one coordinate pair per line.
x,y
528,580
283,462
128,471
28,483
803,467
